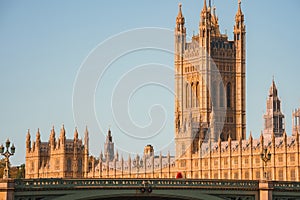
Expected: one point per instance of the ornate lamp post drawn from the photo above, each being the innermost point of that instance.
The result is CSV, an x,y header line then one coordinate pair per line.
x,y
265,156
138,163
7,154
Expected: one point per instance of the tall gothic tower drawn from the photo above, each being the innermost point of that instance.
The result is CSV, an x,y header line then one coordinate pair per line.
x,y
273,117
210,83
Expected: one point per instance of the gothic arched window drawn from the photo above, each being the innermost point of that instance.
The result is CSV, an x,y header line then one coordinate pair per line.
x,y
221,92
192,95
182,149
197,94
228,95
214,94
187,96
79,165
69,164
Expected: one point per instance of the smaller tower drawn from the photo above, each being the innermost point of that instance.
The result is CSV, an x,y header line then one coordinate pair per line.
x,y
148,151
109,147
273,117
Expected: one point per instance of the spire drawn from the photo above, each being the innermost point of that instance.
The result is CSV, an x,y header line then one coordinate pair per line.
x,y
28,142
117,156
180,18
273,89
38,135
62,131
180,21
204,6
86,138
52,134
52,138
239,12
109,137
76,133
250,137
101,156
28,135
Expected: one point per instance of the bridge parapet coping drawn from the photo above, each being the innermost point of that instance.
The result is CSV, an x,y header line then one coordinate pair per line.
x,y
39,184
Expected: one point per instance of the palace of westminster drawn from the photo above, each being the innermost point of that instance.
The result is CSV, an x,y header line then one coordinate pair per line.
x,y
210,122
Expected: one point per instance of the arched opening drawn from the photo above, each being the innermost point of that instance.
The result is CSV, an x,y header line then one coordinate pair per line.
x,y
187,96
214,94
221,93
197,94
228,95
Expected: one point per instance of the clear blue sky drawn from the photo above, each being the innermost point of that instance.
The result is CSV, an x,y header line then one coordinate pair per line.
x,y
43,44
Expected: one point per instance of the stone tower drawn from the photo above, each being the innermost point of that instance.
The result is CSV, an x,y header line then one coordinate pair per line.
x,y
273,117
209,83
109,147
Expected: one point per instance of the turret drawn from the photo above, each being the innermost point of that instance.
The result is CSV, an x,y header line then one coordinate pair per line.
x,y
38,139
215,23
52,138
250,139
75,135
180,44
205,28
261,139
86,140
62,136
117,156
240,51
28,141
86,152
180,33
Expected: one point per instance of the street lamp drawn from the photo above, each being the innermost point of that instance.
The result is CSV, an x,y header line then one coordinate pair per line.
x,y
138,163
7,154
265,156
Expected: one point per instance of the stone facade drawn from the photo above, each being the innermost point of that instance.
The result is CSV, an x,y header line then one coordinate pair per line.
x,y
59,157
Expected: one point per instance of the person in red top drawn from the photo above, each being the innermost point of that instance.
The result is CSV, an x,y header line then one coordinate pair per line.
x,y
179,175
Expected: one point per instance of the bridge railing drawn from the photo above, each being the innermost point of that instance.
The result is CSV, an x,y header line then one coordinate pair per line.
x,y
56,183
286,186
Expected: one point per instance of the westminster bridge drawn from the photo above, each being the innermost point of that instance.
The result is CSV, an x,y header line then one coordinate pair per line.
x,y
178,189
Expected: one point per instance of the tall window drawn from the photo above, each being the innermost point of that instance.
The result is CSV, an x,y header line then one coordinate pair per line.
x,y
228,95
221,92
197,94
214,94
57,164
182,149
79,165
192,95
187,97
69,164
